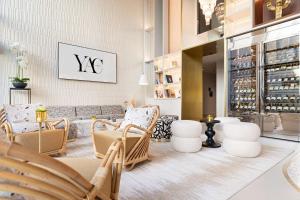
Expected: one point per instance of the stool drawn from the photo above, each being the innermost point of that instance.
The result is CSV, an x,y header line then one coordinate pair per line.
x,y
162,129
186,136
219,127
241,139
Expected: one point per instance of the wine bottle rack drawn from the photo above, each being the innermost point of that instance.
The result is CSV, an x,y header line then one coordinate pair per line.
x,y
282,75
243,91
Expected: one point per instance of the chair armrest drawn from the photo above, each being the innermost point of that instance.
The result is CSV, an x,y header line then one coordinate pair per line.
x,y
129,126
53,124
7,128
99,178
105,122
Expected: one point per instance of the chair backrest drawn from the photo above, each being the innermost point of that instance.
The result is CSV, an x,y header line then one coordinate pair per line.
x,y
42,177
155,116
2,116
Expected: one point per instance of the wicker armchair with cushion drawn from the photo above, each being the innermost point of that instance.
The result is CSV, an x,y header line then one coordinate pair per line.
x,y
135,131
19,125
32,175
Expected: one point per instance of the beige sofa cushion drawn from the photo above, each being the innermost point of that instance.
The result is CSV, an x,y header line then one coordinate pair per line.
x,y
58,112
112,110
87,168
88,111
103,140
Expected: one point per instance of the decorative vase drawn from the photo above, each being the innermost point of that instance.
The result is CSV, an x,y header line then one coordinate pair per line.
x,y
19,85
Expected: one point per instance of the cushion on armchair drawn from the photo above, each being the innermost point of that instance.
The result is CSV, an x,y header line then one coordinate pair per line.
x,y
21,113
23,127
141,117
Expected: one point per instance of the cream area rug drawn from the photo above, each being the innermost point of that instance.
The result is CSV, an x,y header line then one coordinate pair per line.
x,y
210,174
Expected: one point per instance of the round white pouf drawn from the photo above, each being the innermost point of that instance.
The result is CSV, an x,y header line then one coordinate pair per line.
x,y
241,148
186,128
219,127
186,136
243,131
187,145
241,139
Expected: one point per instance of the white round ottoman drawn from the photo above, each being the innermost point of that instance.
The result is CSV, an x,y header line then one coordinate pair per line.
x,y
186,135
219,127
241,139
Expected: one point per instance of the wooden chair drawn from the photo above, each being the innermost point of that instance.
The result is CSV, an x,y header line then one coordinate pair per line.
x,y
54,137
136,145
39,176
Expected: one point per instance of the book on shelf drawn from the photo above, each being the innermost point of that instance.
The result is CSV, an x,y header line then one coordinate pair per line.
x,y
159,79
169,79
159,93
169,93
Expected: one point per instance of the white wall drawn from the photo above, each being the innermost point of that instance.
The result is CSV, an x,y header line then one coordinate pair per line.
x,y
209,103
220,89
110,25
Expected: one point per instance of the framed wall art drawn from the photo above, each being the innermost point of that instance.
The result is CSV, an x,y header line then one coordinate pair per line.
x,y
86,64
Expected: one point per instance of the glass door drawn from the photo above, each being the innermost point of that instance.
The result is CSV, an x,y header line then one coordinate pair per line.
x,y
243,83
281,95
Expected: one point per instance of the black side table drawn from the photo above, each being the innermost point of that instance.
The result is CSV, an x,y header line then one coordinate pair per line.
x,y
210,134
28,90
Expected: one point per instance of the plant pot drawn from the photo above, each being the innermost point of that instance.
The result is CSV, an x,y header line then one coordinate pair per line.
x,y
19,85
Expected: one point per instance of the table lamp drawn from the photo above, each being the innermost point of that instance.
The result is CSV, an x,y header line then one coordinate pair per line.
x,y
41,117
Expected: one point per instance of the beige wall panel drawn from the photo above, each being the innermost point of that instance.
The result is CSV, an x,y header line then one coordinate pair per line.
x,y
239,17
174,25
109,25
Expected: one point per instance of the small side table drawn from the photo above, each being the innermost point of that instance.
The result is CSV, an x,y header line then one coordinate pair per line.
x,y
210,134
21,89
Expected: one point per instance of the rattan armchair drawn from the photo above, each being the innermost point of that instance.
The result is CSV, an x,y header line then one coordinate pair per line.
x,y
136,145
54,136
39,176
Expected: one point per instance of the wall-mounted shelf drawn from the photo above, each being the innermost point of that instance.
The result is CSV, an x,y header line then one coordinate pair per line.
x,y
167,76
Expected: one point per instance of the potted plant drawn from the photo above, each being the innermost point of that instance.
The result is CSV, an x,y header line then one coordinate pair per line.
x,y
19,81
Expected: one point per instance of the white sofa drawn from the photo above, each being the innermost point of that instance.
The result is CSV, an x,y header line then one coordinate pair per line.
x,y
186,136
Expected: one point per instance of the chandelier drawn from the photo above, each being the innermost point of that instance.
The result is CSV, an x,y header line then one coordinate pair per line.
x,y
208,7
219,10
